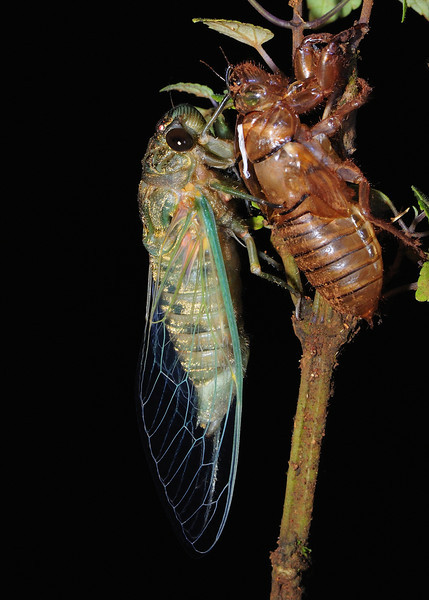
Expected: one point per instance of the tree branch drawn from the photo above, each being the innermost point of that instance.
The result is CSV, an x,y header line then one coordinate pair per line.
x,y
322,332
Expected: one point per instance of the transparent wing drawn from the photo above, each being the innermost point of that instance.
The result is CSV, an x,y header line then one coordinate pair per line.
x,y
190,381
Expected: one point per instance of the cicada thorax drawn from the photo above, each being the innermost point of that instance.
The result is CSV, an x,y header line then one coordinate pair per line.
x,y
333,243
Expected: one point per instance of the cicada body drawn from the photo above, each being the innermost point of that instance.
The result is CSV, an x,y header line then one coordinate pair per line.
x,y
295,167
194,352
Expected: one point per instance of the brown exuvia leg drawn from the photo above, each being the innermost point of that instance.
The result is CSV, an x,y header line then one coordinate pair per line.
x,y
331,124
349,172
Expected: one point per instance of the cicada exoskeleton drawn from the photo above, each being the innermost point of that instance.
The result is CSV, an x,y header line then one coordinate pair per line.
x,y
313,209
194,352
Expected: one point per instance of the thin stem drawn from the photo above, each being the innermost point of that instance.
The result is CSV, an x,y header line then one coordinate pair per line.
x,y
267,58
365,13
407,287
270,17
316,23
298,21
298,29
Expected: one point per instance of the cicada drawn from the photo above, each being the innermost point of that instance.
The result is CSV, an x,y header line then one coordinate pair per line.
x,y
195,350
295,167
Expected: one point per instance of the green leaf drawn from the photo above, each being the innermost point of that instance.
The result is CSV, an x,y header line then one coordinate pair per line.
x,y
197,89
318,8
422,200
249,34
381,205
422,292
305,550
256,223
420,6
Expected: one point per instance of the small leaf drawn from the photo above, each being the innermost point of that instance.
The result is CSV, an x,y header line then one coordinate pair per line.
x,y
305,550
256,223
197,89
422,199
420,6
380,203
318,8
422,292
249,34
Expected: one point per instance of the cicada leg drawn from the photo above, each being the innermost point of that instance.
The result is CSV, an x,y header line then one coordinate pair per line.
x,y
349,172
364,203
239,193
242,232
255,265
331,124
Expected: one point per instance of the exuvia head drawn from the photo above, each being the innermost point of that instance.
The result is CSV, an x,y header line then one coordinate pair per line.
x,y
253,88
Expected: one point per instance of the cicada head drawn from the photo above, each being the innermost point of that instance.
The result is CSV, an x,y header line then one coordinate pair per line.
x,y
252,88
168,158
179,144
181,127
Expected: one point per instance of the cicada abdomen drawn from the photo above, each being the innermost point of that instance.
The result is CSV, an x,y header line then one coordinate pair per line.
x,y
296,169
194,353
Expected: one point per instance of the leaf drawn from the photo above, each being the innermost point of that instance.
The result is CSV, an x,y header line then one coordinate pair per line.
x,y
380,204
318,8
420,6
422,292
252,35
256,223
423,201
197,89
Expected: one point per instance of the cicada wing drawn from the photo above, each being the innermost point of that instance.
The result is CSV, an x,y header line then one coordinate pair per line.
x,y
190,381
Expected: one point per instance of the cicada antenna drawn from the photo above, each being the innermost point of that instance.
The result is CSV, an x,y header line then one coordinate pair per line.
x,y
212,69
221,107
219,110
228,62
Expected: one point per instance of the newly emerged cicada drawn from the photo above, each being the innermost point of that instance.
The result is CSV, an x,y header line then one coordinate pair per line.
x,y
324,223
195,351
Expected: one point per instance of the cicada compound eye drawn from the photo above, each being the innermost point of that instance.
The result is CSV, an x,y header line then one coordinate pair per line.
x,y
251,97
179,139
253,94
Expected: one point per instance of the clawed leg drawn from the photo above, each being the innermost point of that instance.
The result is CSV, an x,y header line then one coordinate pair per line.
x,y
349,172
364,196
346,169
321,72
331,124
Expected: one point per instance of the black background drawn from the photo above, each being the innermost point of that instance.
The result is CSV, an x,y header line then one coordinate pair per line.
x,y
85,516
